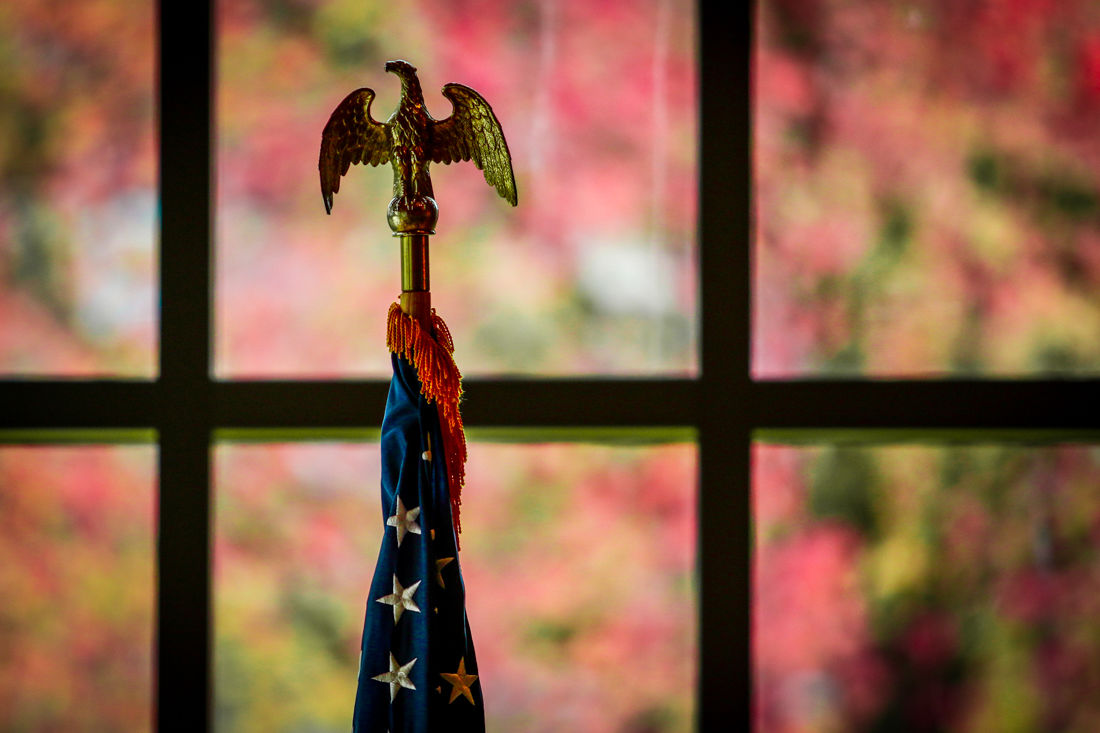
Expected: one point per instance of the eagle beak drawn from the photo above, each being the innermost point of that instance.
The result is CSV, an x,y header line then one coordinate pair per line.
x,y
399,66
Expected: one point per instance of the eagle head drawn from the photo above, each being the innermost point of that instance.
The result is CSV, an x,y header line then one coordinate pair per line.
x,y
403,69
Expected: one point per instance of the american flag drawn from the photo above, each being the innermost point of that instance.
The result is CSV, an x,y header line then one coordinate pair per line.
x,y
417,669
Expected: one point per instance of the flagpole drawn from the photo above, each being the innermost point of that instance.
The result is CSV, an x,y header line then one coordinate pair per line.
x,y
420,476
413,219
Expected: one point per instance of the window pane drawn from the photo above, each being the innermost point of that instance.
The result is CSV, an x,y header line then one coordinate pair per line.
x,y
592,273
76,579
908,588
77,188
928,188
577,560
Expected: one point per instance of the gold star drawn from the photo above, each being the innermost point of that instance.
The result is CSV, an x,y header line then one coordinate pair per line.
x,y
400,599
460,682
439,565
404,520
398,676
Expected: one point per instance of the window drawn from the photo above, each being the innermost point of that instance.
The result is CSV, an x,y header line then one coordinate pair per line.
x,y
575,557
78,177
78,546
925,586
724,407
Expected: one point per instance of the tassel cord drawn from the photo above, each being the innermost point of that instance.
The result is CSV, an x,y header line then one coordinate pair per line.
x,y
440,382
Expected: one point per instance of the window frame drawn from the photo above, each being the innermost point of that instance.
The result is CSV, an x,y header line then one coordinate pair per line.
x,y
723,406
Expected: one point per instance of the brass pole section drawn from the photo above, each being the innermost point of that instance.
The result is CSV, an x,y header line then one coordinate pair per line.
x,y
414,262
412,219
416,298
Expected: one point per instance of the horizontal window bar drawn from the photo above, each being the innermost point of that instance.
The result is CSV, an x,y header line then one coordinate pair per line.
x,y
508,403
626,435
622,436
297,435
495,403
895,436
1046,404
78,404
77,436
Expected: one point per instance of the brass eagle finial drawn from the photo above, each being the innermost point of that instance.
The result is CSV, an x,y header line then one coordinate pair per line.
x,y
411,139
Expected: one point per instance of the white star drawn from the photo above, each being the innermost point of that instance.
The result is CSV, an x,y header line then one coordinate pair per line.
x,y
404,520
398,676
400,599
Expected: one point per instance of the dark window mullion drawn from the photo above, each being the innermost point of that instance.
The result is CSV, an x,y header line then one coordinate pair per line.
x,y
724,547
183,388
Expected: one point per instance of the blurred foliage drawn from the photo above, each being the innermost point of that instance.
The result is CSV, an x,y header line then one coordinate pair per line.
x,y
593,272
77,187
927,187
839,488
76,578
927,589
577,562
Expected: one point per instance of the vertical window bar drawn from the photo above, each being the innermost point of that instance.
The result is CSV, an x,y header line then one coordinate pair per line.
x,y
183,556
725,179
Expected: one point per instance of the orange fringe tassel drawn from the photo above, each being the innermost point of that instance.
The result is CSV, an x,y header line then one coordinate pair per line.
x,y
440,382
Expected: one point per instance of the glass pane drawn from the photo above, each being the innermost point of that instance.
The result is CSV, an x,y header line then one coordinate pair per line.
x,y
928,193
77,528
578,563
78,187
919,588
592,273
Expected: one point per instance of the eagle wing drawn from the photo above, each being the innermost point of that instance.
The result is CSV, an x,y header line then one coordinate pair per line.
x,y
351,136
472,132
